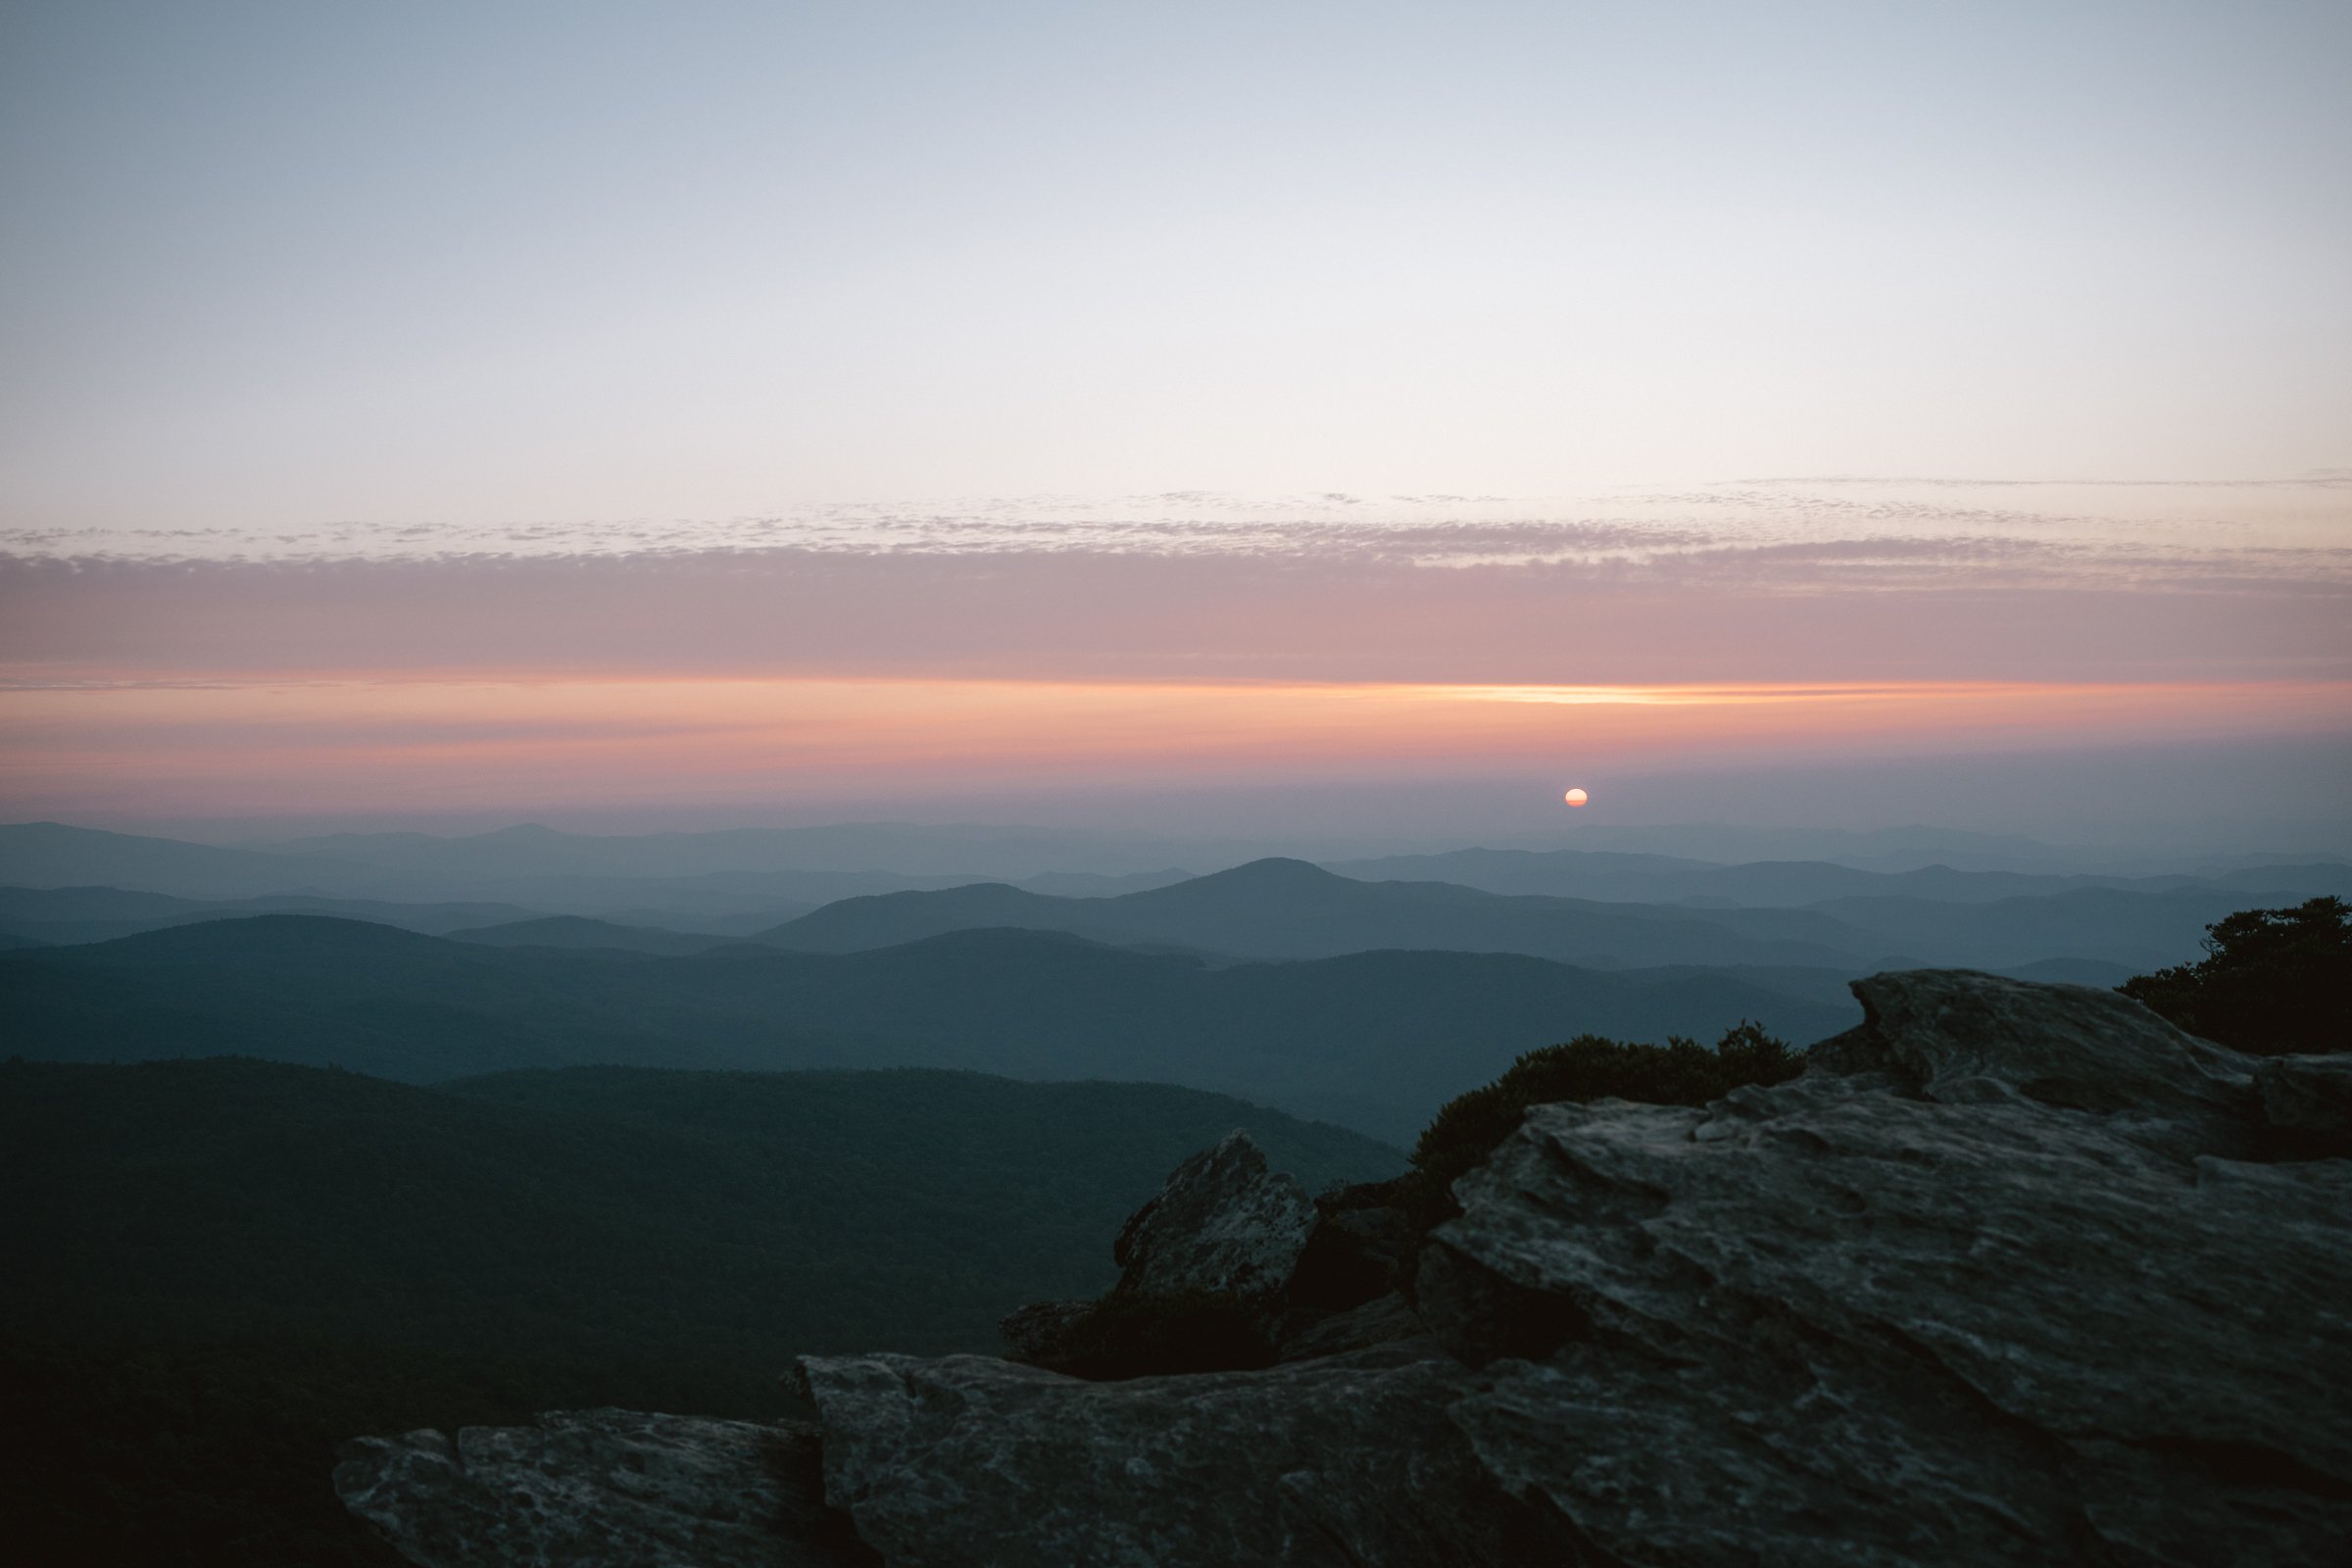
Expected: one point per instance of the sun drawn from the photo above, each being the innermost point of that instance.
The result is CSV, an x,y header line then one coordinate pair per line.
x,y
1575,797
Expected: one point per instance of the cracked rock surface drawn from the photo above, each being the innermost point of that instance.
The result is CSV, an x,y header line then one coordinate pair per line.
x,y
601,1489
1344,1460
2012,1274
1223,1224
1980,1297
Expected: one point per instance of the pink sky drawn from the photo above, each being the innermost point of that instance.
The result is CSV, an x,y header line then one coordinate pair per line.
x,y
1130,657
1670,605
819,401
235,749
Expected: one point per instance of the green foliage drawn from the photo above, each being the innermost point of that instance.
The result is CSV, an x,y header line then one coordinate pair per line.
x,y
2273,982
1681,1072
1136,1336
216,1270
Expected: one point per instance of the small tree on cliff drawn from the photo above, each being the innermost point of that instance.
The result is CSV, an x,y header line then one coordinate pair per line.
x,y
2273,981
1679,1073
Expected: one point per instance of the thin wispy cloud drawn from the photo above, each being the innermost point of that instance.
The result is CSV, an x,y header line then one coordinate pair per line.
x,y
2293,535
891,348
1837,610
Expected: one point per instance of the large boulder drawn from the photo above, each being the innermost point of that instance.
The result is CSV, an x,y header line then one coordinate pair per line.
x,y
1981,1296
1204,1271
1956,1037
1346,1462
1224,1224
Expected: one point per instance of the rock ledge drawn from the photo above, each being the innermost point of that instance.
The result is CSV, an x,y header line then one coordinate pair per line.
x,y
2011,1274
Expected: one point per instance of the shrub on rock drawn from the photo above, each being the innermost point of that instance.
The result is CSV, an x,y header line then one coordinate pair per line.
x,y
2274,982
1681,1072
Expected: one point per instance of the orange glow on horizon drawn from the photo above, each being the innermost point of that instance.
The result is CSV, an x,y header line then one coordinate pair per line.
x,y
365,744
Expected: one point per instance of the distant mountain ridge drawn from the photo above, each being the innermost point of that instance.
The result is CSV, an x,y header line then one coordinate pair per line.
x,y
73,915
578,931
52,854
529,864
1290,909
1374,1040
1791,884
722,884
1281,908
967,850
1593,909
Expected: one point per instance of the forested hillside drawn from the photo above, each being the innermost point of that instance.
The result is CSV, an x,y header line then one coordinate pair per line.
x,y
1373,1041
216,1269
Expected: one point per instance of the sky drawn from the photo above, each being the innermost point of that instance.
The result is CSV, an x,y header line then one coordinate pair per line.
x,y
625,415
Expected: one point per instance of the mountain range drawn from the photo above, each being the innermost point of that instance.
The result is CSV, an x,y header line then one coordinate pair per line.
x,y
1366,997
1375,1041
1281,908
1290,909
747,872
1827,915
1664,879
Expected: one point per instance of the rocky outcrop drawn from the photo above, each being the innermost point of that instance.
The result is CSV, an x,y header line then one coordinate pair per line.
x,y
1204,1276
1348,1461
1979,1297
1224,1224
602,1489
2012,1274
